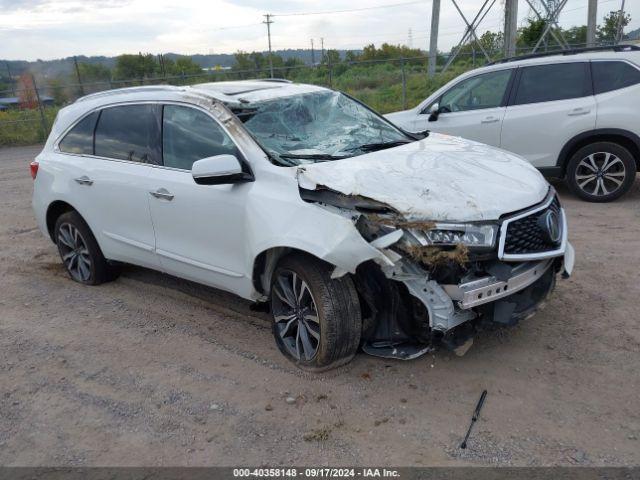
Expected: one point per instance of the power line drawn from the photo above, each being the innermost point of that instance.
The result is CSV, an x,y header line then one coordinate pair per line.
x,y
330,12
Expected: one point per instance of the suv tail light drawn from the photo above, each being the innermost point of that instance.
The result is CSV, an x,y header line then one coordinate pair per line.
x,y
33,167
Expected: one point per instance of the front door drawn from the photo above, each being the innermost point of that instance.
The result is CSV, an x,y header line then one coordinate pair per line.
x,y
200,229
473,108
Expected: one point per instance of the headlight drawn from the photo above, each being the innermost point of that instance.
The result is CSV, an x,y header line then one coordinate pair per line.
x,y
471,235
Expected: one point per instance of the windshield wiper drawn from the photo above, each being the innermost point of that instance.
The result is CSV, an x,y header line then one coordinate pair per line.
x,y
372,147
313,156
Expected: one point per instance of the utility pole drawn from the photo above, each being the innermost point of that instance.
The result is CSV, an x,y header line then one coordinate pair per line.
x,y
322,49
592,18
511,27
620,24
268,22
433,42
13,88
313,54
75,62
410,38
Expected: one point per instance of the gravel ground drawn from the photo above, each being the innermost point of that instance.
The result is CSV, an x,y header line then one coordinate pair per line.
x,y
153,370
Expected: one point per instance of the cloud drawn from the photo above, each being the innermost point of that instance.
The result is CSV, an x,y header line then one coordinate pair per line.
x,y
31,29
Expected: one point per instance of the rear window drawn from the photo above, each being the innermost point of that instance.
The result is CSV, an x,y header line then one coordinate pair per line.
x,y
79,140
546,83
129,132
608,76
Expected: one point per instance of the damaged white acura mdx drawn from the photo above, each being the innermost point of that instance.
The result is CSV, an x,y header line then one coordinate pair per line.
x,y
351,231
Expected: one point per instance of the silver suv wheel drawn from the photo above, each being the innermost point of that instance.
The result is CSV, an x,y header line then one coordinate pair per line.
x,y
600,173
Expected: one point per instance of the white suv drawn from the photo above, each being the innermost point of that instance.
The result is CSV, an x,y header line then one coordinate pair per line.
x,y
574,115
353,232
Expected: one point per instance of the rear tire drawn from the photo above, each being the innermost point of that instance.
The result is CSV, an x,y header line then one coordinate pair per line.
x,y
80,252
317,321
601,172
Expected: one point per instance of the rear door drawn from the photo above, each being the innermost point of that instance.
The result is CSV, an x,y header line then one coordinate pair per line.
x,y
109,178
550,105
473,108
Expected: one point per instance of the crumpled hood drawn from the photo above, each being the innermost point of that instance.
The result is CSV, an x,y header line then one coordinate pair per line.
x,y
439,178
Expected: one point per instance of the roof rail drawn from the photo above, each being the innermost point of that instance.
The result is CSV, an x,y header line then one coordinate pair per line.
x,y
573,51
275,80
116,91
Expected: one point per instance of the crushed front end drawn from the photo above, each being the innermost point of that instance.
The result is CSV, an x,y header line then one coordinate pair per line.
x,y
440,283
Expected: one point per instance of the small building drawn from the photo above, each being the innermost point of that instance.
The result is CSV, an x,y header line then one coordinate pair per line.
x,y
14,102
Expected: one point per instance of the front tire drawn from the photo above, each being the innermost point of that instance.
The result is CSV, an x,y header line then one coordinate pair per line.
x,y
79,251
317,321
601,172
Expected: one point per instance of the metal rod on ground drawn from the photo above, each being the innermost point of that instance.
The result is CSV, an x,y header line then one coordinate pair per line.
x,y
268,22
40,107
592,18
404,84
75,62
474,418
433,41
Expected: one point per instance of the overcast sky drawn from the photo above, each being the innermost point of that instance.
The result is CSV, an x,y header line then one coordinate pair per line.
x,y
46,29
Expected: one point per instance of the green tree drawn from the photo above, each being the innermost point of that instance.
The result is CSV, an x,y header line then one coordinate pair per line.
x,y
576,36
529,35
608,31
58,91
132,67
93,72
331,57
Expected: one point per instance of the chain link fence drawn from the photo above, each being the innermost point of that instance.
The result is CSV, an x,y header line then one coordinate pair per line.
x,y
386,85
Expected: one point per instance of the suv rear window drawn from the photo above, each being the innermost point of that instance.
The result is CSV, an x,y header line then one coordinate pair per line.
x,y
546,83
80,138
129,132
608,76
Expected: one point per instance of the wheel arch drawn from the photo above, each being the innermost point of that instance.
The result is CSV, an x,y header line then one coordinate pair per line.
x,y
624,138
266,261
54,210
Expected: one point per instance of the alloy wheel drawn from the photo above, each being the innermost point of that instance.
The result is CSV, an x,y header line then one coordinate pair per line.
x,y
295,315
600,174
74,252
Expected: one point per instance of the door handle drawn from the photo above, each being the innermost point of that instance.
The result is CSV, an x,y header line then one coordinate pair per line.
x,y
578,111
162,194
489,120
84,180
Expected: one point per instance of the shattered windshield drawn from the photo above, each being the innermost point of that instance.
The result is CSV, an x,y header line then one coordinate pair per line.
x,y
318,126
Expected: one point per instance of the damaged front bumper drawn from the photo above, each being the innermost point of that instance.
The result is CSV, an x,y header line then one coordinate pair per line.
x,y
498,290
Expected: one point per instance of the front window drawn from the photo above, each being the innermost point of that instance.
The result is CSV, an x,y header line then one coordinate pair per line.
x,y
476,93
318,126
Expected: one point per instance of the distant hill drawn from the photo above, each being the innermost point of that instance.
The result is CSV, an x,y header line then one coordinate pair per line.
x,y
64,66
633,34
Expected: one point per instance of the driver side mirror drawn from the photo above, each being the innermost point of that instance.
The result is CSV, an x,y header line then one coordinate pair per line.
x,y
219,170
434,112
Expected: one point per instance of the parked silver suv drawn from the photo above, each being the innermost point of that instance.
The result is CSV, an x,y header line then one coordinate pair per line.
x,y
573,115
